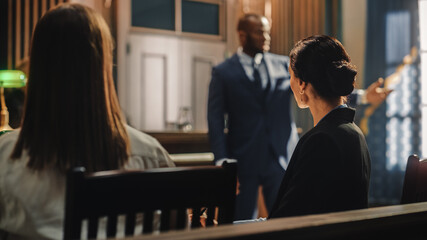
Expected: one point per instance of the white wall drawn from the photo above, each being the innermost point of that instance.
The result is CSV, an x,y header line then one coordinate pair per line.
x,y
164,73
158,73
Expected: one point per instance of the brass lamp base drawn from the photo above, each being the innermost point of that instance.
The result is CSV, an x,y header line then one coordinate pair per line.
x,y
4,121
4,114
5,128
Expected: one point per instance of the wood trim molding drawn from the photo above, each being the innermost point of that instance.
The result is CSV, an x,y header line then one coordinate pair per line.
x,y
293,20
35,13
20,28
27,28
18,34
44,7
9,34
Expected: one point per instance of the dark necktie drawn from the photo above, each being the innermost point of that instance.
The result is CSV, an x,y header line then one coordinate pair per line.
x,y
257,78
258,84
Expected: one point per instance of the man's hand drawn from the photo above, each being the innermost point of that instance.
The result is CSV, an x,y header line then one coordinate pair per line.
x,y
375,94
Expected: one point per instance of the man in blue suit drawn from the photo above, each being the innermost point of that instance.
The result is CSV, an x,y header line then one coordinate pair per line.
x,y
252,89
250,97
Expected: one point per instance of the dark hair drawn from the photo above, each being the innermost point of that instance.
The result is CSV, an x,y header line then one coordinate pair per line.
x,y
71,114
322,61
243,24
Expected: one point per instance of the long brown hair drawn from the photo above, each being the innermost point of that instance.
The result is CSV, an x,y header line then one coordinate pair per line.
x,y
71,114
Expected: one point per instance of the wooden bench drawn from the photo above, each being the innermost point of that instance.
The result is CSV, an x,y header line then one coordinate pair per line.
x,y
391,222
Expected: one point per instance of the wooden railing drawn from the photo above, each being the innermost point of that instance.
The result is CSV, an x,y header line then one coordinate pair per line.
x,y
392,222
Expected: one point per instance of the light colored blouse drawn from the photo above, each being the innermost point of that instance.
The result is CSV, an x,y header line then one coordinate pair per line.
x,y
32,202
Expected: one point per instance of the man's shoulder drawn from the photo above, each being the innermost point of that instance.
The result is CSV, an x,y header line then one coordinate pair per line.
x,y
227,62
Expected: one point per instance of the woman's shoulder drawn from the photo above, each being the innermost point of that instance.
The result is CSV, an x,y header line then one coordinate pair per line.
x,y
146,151
141,139
9,137
7,143
344,137
317,135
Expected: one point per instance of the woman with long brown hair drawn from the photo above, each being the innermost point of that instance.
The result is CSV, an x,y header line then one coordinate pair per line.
x,y
71,118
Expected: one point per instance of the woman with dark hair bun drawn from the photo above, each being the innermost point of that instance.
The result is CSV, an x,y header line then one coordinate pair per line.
x,y
330,167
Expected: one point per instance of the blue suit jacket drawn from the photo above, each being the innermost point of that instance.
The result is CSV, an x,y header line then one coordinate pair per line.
x,y
255,125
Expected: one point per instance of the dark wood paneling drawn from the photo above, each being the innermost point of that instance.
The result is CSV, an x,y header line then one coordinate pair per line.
x,y
3,33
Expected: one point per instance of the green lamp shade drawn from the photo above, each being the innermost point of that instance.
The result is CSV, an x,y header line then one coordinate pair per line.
x,y
12,79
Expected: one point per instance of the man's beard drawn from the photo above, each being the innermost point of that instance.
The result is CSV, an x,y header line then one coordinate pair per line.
x,y
252,46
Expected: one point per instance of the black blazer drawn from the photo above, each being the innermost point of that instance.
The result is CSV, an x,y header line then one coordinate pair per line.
x,y
329,169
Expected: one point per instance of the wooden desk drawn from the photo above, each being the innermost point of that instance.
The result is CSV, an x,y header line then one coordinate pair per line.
x,y
183,142
392,222
186,148
193,149
192,159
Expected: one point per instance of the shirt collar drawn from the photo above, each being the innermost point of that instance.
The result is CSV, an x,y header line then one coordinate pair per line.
x,y
243,57
337,107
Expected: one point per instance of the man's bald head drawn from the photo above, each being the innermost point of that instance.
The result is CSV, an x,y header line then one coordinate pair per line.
x,y
245,21
254,33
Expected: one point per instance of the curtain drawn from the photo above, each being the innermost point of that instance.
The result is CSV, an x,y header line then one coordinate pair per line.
x,y
293,20
394,128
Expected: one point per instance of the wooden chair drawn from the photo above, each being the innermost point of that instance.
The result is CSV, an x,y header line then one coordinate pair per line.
x,y
172,190
415,182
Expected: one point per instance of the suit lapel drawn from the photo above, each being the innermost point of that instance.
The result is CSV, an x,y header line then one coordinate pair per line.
x,y
245,81
271,78
277,75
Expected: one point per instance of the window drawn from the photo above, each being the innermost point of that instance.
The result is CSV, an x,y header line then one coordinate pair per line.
x,y
193,18
158,14
200,17
403,105
422,5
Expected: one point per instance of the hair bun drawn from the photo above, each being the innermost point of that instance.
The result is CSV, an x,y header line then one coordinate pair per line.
x,y
342,76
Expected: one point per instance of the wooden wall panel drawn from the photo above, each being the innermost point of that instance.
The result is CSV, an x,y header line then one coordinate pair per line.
x,y
252,6
18,33
10,37
281,26
293,20
27,28
19,41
